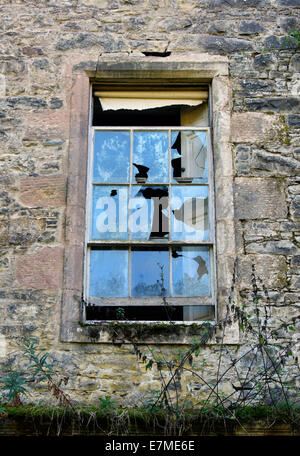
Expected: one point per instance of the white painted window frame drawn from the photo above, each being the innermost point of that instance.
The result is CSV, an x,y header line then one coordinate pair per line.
x,y
152,301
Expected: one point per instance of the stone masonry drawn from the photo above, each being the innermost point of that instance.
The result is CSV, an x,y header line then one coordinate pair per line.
x,y
40,41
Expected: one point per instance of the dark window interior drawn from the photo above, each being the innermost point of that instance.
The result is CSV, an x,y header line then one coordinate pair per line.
x,y
164,117
146,313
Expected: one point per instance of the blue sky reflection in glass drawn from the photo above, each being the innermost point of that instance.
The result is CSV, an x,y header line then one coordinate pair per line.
x,y
149,213
109,213
111,156
109,273
189,219
147,267
191,271
150,149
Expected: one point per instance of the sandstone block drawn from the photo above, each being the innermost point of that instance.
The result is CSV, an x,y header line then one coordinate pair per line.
x,y
258,198
43,191
41,270
2,85
252,127
271,269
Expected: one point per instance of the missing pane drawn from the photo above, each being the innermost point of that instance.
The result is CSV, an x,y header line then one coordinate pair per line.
x,y
150,313
189,156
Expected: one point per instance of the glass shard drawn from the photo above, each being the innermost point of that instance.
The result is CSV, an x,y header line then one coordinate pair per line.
x,y
189,156
191,271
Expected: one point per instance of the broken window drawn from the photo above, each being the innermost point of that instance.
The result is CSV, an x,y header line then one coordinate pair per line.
x,y
150,227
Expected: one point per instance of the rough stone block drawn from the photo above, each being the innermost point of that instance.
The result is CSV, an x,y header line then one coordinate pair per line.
x,y
43,191
258,198
252,127
105,41
277,164
288,24
288,3
97,3
224,45
295,63
256,85
263,61
2,85
250,28
284,104
271,269
294,120
273,247
295,208
41,270
237,3
49,120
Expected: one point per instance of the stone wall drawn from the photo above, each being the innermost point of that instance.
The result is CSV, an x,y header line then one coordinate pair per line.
x,y
40,41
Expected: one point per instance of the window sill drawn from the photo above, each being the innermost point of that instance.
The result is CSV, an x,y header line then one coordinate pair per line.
x,y
178,333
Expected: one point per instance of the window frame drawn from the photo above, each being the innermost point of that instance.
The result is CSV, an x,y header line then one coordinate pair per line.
x,y
189,69
211,242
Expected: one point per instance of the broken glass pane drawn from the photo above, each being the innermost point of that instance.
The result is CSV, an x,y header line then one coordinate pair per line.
x,y
189,156
149,217
189,213
150,156
149,272
109,273
191,271
109,212
111,156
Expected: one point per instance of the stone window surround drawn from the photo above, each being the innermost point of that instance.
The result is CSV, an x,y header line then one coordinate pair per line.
x,y
194,68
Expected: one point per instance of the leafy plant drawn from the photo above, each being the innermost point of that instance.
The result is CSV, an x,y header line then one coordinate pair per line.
x,y
42,369
257,373
120,313
14,383
294,37
107,403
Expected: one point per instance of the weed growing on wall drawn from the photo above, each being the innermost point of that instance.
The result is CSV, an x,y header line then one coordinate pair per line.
x,y
255,377
250,381
40,369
